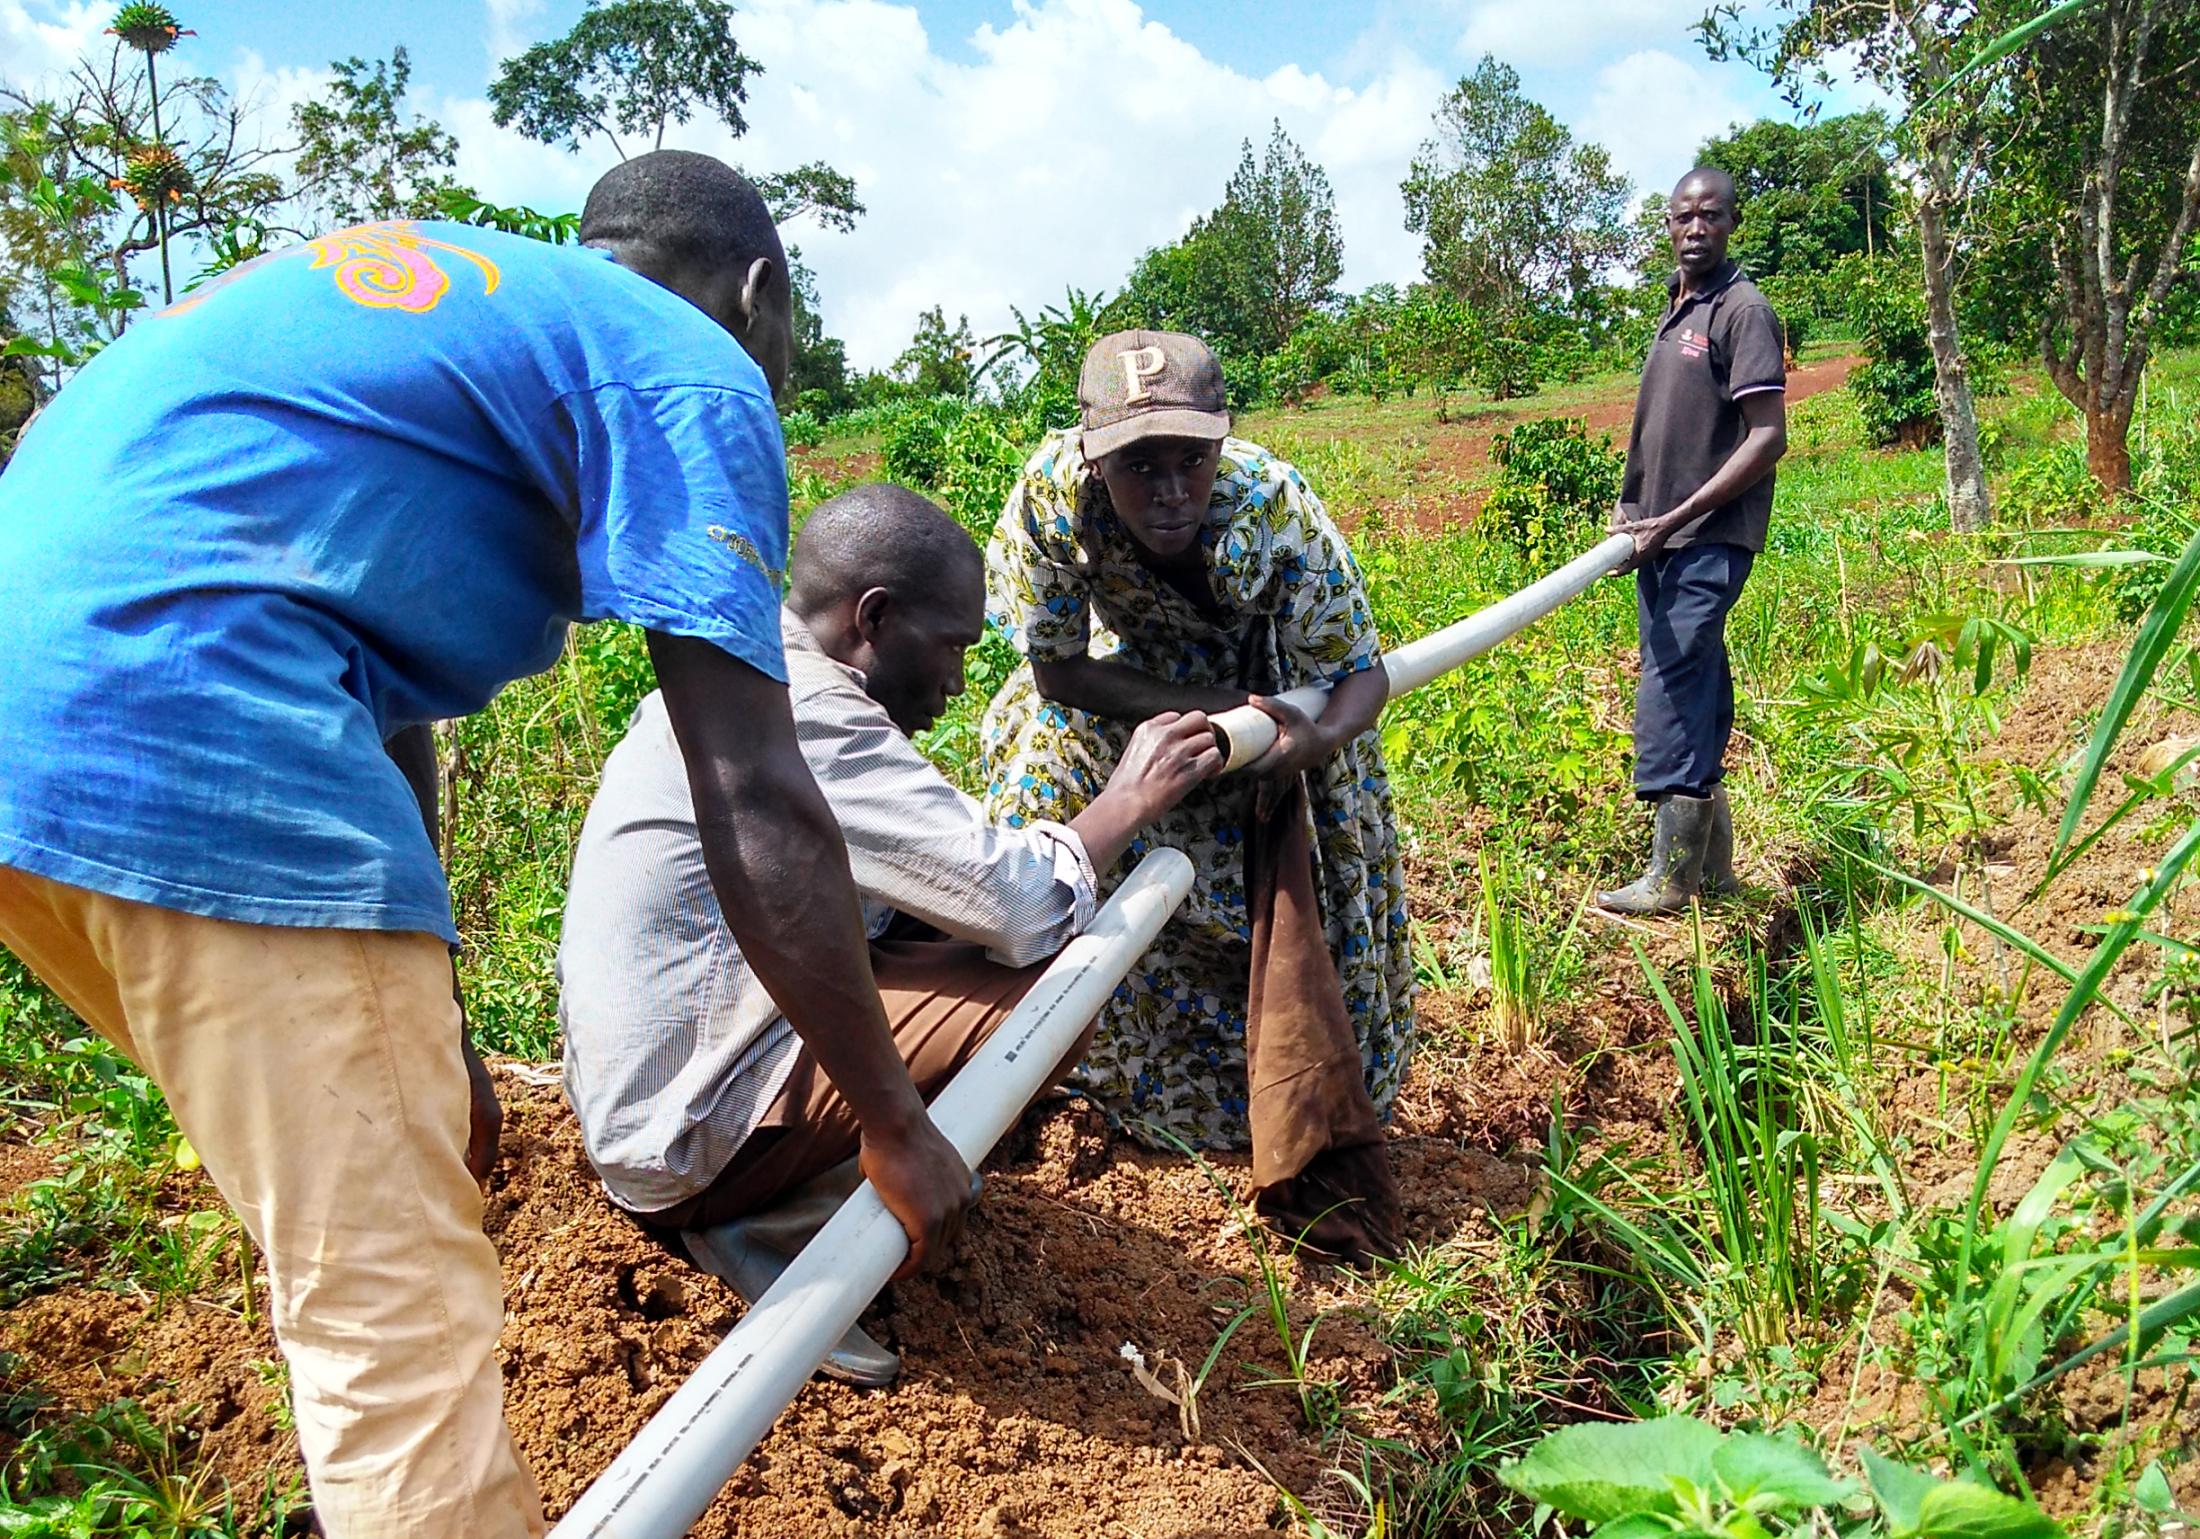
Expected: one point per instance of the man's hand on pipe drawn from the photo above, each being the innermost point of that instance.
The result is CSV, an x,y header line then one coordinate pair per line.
x,y
1649,534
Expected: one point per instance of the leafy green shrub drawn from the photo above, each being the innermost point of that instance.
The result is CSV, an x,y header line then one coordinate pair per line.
x,y
1677,1476
1506,366
1555,487
801,429
2053,487
916,441
965,453
1894,389
1244,382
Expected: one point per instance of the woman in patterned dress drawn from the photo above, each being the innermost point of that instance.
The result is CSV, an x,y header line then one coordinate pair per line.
x,y
1152,563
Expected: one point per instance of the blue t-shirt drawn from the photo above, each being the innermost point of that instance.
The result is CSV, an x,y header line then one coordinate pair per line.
x,y
350,487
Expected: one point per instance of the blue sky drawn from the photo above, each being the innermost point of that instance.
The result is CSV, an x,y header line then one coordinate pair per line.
x,y
1007,148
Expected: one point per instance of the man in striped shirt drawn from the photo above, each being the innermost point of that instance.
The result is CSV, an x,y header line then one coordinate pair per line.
x,y
701,1109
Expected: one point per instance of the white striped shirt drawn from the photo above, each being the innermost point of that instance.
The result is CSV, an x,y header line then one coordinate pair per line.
x,y
673,1049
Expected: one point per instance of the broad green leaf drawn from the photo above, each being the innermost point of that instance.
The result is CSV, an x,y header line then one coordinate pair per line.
x,y
1901,1492
1639,1525
2156,633
1957,1509
1772,1473
2152,1491
1599,1471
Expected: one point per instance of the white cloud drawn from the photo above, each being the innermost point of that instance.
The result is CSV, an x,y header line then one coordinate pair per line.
x,y
1571,32
1653,111
41,41
1071,138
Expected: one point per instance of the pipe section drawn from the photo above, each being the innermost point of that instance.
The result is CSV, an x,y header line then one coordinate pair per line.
x,y
1246,733
660,1485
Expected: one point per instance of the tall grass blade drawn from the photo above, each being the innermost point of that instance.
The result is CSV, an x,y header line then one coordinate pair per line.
x,y
2156,633
2082,994
2005,45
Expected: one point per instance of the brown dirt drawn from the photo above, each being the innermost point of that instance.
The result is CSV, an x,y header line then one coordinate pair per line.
x,y
1457,450
1016,1414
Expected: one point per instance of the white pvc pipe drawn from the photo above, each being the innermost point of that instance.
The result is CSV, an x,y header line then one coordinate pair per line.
x,y
1244,734
660,1485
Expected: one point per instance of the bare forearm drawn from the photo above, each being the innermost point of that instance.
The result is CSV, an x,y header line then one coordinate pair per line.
x,y
1113,689
1353,706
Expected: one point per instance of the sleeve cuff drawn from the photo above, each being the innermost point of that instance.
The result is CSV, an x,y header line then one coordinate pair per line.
x,y
1779,386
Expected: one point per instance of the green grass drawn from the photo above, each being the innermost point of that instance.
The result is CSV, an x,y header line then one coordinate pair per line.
x,y
1777,1222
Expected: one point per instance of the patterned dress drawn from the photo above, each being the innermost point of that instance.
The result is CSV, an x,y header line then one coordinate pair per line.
x,y
1063,578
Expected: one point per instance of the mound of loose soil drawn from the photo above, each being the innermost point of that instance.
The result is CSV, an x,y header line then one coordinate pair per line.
x,y
1017,1413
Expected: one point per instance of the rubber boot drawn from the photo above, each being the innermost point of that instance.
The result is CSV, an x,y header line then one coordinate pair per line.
x,y
1677,850
1719,880
750,1253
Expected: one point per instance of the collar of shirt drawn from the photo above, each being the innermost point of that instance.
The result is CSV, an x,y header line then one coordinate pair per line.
x,y
797,637
1677,303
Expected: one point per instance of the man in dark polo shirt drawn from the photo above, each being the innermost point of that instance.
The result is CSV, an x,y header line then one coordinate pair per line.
x,y
1710,423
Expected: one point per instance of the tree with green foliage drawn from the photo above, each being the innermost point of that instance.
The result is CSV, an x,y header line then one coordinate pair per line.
x,y
817,379
1913,49
360,158
89,184
2100,170
629,66
1186,286
940,359
1514,214
1277,232
1810,193
1248,272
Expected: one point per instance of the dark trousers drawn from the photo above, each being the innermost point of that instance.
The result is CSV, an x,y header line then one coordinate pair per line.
x,y
1684,706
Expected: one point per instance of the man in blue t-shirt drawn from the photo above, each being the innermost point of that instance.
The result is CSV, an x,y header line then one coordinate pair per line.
x,y
246,556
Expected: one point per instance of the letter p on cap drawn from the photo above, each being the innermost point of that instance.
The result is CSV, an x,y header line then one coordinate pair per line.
x,y
1139,365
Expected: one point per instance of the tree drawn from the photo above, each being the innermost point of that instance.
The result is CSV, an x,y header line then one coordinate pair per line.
x,y
939,360
2104,160
1913,49
88,186
818,377
1514,214
1186,286
1810,193
360,159
1276,233
1251,270
632,66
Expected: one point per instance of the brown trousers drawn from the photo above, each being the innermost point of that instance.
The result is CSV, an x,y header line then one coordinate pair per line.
x,y
943,999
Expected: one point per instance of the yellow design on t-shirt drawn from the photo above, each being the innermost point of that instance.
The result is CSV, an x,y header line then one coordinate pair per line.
x,y
384,266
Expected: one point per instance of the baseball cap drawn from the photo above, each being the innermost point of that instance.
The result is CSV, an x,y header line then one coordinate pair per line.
x,y
1149,384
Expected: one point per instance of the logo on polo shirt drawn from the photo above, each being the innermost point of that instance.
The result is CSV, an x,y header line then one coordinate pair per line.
x,y
1692,343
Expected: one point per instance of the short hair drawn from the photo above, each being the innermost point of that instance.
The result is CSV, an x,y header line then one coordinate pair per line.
x,y
1712,174
879,536
675,210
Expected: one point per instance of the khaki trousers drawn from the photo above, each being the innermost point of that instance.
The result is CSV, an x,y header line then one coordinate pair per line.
x,y
318,1074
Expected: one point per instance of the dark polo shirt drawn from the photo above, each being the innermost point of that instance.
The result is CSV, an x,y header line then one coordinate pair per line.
x,y
1711,350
